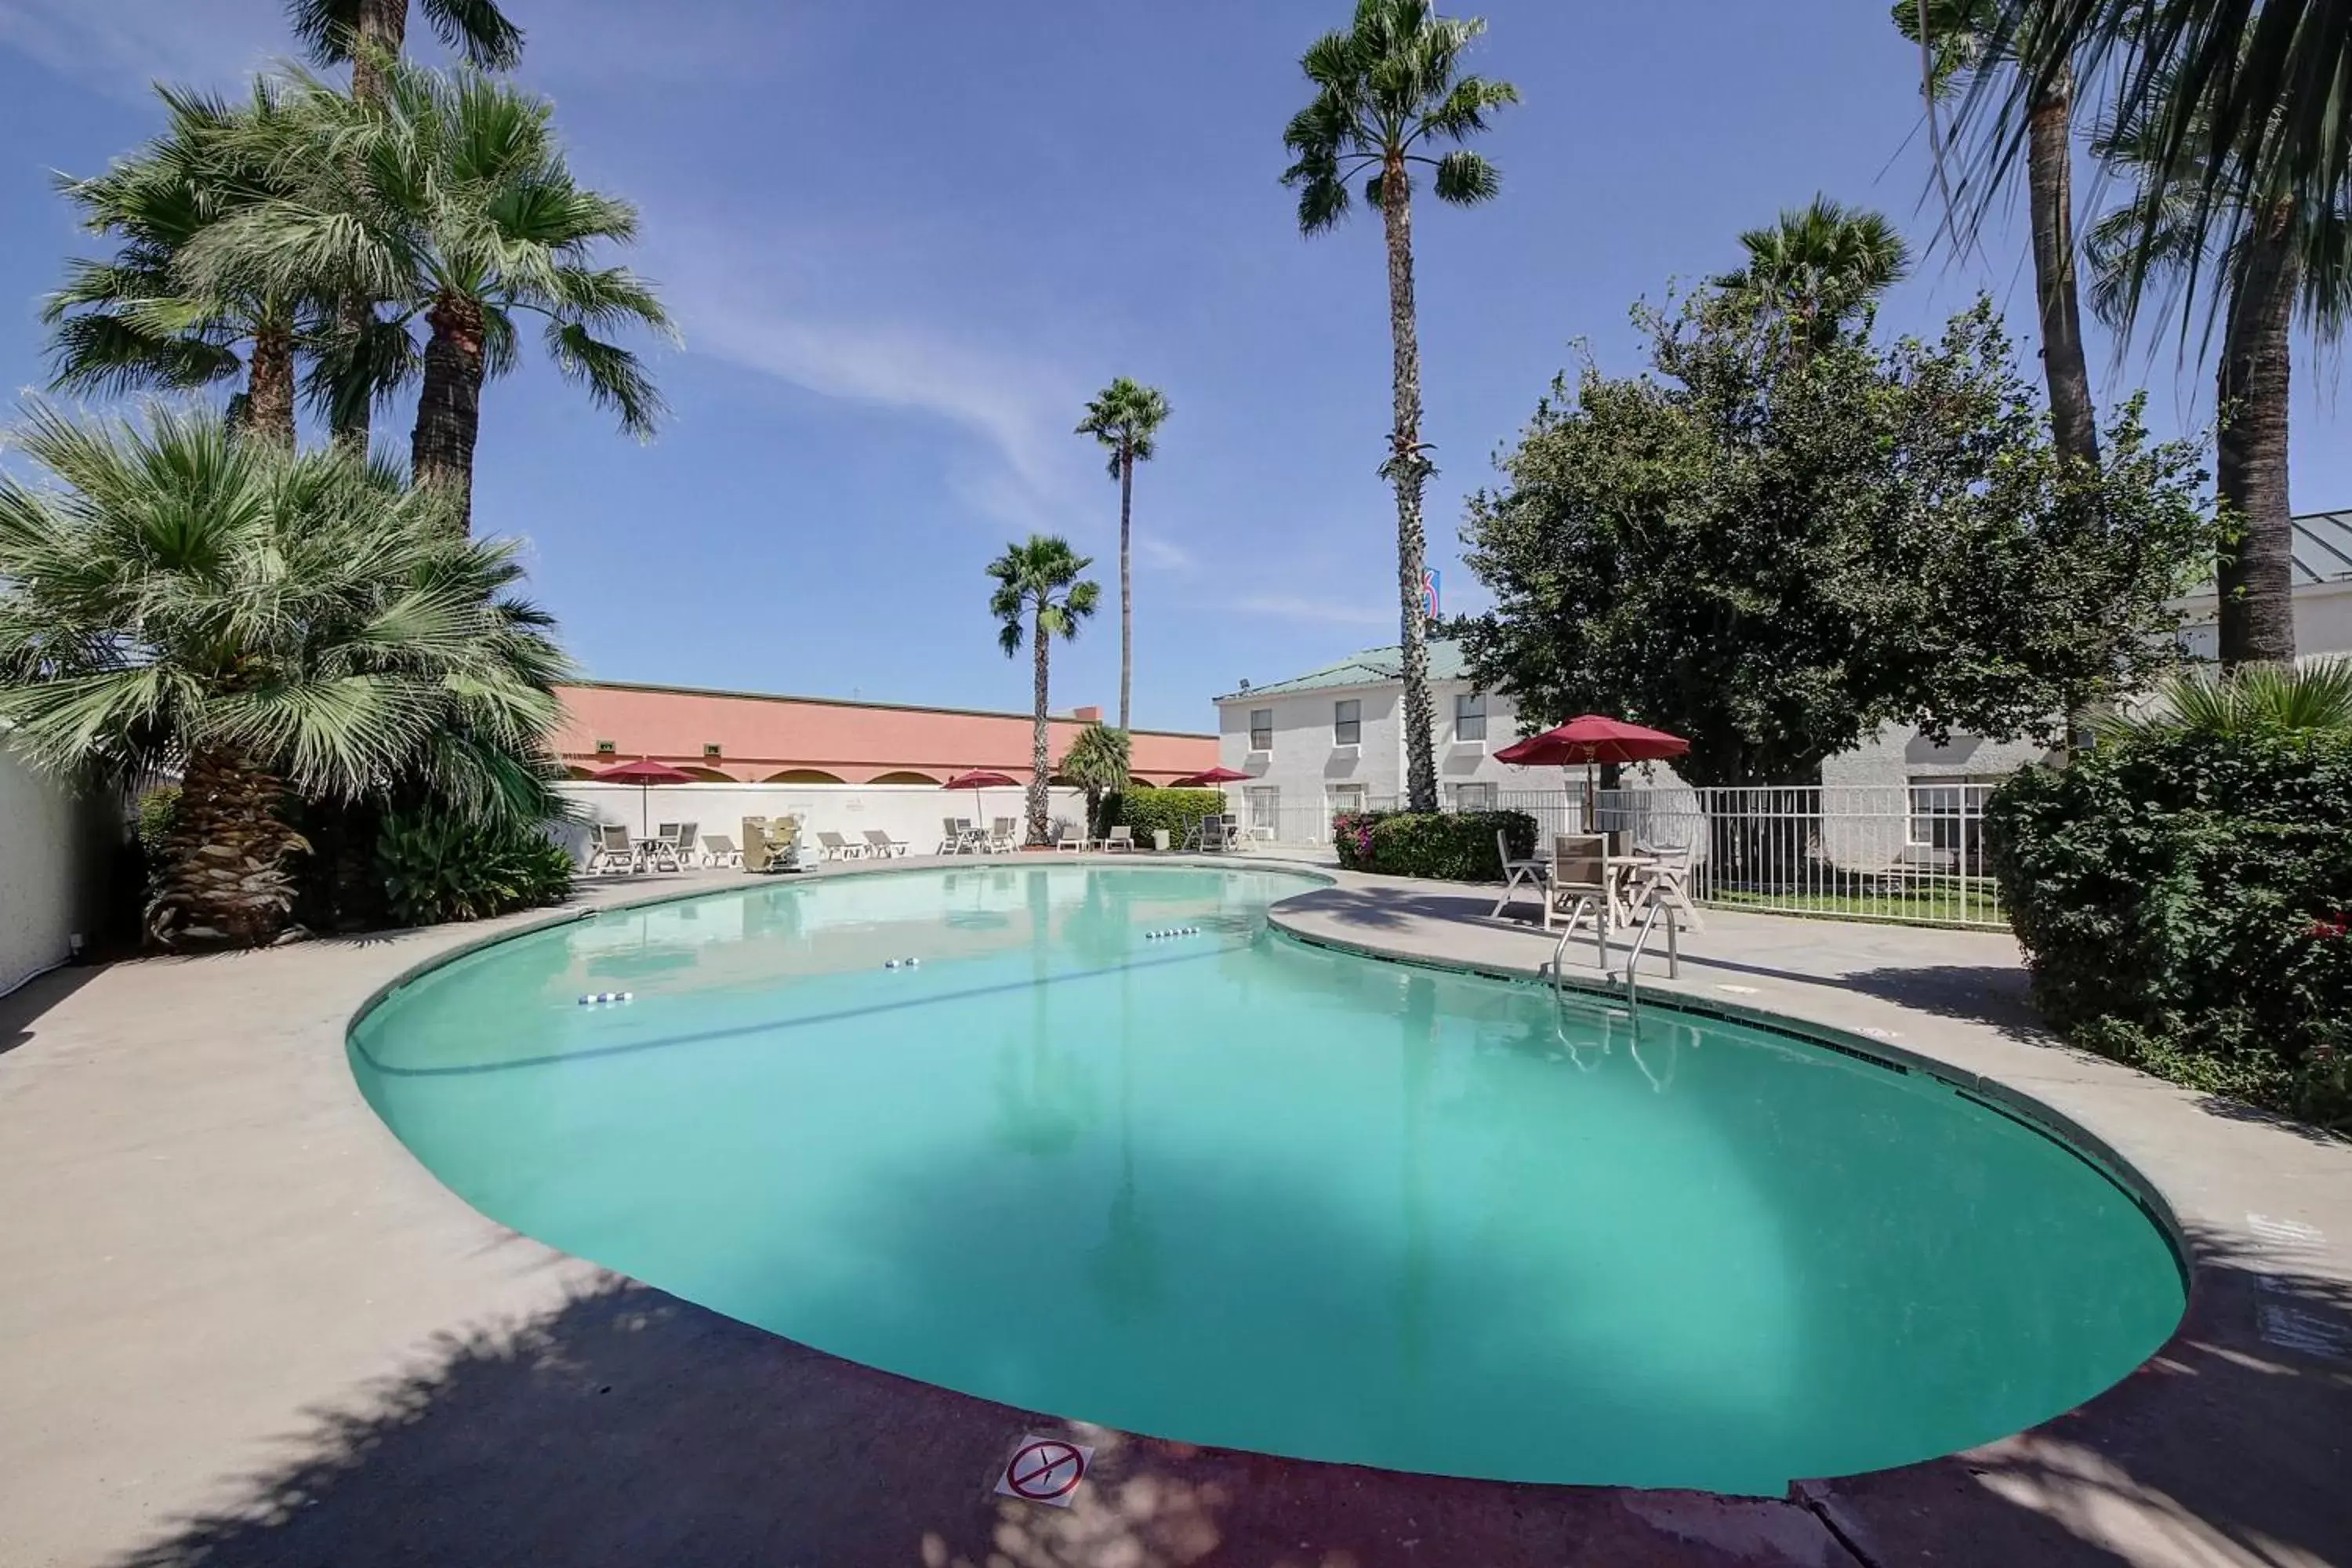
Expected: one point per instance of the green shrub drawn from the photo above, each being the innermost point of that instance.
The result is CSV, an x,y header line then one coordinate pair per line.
x,y
1176,810
2184,900
157,807
1456,847
434,868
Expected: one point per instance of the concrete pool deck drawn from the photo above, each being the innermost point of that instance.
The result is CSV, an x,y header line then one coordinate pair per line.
x,y
240,1324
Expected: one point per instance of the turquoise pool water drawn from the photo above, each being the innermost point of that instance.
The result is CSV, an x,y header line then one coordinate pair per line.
x,y
1235,1190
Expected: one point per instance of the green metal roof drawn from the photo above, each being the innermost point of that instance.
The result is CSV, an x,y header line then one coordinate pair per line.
x,y
1374,667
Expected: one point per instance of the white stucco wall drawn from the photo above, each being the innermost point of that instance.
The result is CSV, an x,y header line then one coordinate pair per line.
x,y
910,812
2322,621
54,854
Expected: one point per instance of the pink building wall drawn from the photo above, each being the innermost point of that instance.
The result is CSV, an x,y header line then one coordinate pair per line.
x,y
760,737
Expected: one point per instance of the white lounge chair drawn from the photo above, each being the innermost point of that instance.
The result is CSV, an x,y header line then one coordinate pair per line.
x,y
1121,840
611,849
717,849
1662,876
1531,874
833,846
1001,837
1066,838
881,846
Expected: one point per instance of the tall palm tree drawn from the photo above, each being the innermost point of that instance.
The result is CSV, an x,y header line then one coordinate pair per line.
x,y
2269,85
1819,266
454,203
272,625
136,319
1096,761
1965,41
1386,90
2286,261
1126,416
1039,596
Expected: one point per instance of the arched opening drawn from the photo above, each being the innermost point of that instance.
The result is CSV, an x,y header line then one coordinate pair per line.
x,y
708,775
576,771
1134,783
1062,781
803,775
905,776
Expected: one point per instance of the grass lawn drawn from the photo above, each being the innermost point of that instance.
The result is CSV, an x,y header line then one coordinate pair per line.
x,y
1974,905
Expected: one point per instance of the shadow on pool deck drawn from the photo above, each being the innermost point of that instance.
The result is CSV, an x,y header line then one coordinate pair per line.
x,y
626,1426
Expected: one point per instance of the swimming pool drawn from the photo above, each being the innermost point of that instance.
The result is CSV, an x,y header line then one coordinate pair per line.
x,y
1232,1189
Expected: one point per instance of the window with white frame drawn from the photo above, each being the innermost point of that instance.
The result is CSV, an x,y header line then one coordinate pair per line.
x,y
1265,805
1347,797
1469,715
1948,815
1261,728
1348,722
1472,796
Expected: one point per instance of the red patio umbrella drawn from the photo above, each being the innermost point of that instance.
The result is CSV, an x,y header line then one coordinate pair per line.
x,y
643,773
978,779
1593,739
1211,778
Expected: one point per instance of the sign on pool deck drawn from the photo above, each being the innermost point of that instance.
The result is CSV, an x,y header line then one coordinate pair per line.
x,y
1044,1469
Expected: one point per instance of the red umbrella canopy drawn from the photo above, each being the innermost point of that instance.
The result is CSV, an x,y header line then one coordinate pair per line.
x,y
982,778
1592,738
1211,776
647,772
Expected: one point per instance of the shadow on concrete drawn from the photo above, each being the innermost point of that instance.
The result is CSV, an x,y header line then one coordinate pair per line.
x,y
1386,908
2229,1109
23,1007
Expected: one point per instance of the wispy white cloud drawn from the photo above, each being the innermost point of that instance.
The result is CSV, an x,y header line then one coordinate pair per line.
x,y
1164,555
1323,611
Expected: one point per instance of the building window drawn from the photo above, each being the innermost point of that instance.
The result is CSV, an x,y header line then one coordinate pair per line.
x,y
1948,816
1469,715
1348,722
1473,796
606,748
1347,797
1265,807
1261,728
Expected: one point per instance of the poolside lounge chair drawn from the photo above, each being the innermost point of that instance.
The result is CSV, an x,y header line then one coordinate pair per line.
x,y
717,849
881,846
611,849
836,848
1063,837
1120,841
1531,873
687,833
1001,835
950,835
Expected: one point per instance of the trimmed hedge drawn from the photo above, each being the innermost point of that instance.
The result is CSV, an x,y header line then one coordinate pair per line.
x,y
2185,902
1457,847
1173,809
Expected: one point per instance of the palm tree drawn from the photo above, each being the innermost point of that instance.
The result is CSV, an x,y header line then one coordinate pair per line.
x,y
1096,761
2261,699
454,203
1818,267
272,625
2288,262
1126,418
2264,84
136,319
1386,91
367,34
1964,42
1039,597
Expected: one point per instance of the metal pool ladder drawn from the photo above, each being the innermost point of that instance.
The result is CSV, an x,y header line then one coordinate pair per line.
x,y
1653,909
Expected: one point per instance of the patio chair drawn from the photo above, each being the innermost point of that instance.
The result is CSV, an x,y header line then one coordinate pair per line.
x,y
1000,836
1662,876
683,841
1583,882
659,854
717,849
1121,840
833,846
1213,834
950,835
1531,874
755,843
1062,838
881,846
611,849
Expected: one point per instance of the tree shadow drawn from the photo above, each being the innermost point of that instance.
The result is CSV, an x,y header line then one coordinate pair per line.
x,y
1384,907
22,1008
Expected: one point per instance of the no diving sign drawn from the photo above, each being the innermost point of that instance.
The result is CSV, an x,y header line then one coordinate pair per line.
x,y
1044,1469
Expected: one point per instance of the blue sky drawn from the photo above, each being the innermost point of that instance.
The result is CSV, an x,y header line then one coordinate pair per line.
x,y
906,241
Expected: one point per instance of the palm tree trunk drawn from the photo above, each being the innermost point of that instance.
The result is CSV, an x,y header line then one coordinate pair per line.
x,y
2050,188
224,881
1408,468
2255,572
449,408
269,387
1125,581
383,28
1037,764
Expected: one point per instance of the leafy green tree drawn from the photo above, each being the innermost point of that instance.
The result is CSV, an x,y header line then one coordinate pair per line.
x,y
1387,91
275,627
1126,416
1774,556
135,319
454,203
1040,595
1096,761
2289,262
1965,40
1818,268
